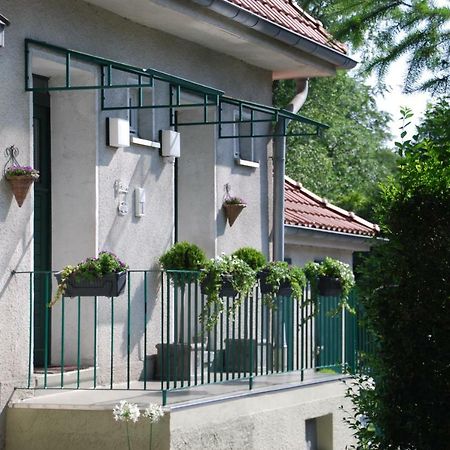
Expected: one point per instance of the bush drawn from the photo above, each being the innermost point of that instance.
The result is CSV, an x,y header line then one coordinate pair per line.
x,y
183,256
254,258
406,285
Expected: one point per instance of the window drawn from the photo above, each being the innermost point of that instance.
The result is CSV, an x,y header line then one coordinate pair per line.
x,y
244,146
141,120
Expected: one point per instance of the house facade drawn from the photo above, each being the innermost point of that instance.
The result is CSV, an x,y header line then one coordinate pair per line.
x,y
141,117
315,228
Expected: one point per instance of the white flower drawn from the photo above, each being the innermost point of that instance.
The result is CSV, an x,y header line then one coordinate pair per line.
x,y
363,420
368,384
154,412
125,412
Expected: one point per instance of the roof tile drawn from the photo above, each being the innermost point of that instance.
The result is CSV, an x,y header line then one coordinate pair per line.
x,y
304,208
287,14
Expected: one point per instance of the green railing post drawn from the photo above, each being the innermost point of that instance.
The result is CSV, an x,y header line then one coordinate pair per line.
x,y
63,302
31,323
78,342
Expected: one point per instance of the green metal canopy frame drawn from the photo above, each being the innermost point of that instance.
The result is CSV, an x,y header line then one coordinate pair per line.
x,y
248,113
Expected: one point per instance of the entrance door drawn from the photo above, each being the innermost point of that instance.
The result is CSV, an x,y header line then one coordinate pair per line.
x,y
42,224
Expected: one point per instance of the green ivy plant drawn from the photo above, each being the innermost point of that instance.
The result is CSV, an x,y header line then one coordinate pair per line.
x,y
183,256
242,277
279,272
333,268
253,257
89,269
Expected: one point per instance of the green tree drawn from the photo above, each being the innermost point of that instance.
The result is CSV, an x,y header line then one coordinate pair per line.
x,y
347,161
389,29
407,295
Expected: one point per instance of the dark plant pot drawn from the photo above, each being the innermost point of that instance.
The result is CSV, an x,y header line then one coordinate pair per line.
x,y
226,290
285,289
173,362
240,355
109,285
329,286
232,211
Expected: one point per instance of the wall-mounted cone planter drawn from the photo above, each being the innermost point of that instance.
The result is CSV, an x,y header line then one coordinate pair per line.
x,y
20,185
233,210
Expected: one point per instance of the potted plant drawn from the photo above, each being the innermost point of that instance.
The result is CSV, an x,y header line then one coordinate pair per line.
x,y
278,279
102,276
233,206
253,257
224,276
183,257
330,277
21,178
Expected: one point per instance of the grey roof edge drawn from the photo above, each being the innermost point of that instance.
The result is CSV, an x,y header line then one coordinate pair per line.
x,y
272,30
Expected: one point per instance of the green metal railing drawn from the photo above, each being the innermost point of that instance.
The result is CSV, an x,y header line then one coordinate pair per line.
x,y
152,338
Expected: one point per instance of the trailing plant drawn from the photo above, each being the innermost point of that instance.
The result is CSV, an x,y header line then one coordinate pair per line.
x,y
183,256
333,268
89,269
241,276
253,257
278,272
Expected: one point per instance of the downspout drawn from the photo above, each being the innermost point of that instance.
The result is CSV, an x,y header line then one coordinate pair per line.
x,y
279,169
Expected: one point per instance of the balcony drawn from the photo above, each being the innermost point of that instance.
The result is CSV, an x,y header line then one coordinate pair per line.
x,y
151,338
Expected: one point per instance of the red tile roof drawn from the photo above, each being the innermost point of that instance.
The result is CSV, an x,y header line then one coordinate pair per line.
x,y
287,14
306,209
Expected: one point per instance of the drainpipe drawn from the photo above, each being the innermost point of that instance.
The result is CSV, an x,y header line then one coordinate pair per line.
x,y
279,169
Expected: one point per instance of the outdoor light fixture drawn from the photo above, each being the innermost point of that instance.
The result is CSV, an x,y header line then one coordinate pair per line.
x,y
4,22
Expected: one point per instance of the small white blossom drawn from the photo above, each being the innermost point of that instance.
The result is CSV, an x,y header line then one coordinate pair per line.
x,y
154,412
125,412
363,420
368,384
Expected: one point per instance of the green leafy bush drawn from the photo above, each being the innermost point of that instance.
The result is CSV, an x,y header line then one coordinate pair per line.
x,y
406,286
253,257
183,256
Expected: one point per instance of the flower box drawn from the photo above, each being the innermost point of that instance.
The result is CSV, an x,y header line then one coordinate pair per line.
x,y
285,289
226,289
329,286
109,285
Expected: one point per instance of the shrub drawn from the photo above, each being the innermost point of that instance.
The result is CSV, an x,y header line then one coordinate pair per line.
x,y
254,258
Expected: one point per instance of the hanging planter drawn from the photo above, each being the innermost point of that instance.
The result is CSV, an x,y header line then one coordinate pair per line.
x,y
233,206
19,177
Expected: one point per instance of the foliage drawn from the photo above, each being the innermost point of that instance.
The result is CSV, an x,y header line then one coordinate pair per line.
x,y
89,269
387,30
350,156
330,267
183,256
360,390
242,277
14,171
407,292
234,201
278,272
253,257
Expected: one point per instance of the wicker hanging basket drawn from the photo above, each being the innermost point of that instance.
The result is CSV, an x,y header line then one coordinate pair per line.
x,y
233,210
20,185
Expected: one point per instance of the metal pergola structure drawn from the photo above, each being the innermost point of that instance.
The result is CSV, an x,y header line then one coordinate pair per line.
x,y
246,112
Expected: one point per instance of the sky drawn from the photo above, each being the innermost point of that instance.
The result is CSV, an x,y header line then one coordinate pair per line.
x,y
393,100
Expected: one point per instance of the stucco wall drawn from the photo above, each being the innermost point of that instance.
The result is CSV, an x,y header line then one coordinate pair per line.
x,y
301,254
139,241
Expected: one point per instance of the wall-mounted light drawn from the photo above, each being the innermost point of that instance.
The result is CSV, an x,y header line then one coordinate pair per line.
x,y
4,22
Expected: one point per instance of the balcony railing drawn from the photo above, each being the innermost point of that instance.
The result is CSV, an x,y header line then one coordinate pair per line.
x,y
152,337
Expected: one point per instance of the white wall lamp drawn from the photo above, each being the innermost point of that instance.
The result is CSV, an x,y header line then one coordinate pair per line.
x,y
117,132
4,22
